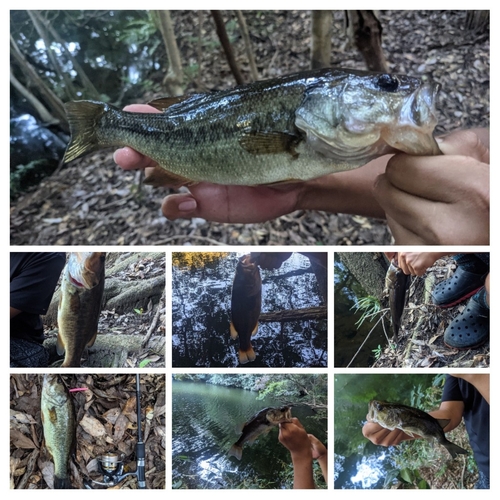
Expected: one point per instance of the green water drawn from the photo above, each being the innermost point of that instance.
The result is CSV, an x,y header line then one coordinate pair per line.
x,y
205,421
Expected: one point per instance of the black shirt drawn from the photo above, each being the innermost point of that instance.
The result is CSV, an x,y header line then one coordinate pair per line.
x,y
476,416
33,278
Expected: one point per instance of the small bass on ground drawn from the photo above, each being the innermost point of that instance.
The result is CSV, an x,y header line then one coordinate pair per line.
x,y
246,300
412,421
291,128
82,289
59,427
261,423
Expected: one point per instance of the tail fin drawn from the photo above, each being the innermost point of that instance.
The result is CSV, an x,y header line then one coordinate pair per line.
x,y
235,451
83,117
454,449
62,483
246,356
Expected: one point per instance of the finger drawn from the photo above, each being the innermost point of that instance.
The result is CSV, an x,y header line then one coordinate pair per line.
x,y
439,178
400,208
140,108
180,206
466,143
402,235
129,159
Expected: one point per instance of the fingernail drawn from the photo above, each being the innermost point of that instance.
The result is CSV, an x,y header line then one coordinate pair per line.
x,y
439,140
187,206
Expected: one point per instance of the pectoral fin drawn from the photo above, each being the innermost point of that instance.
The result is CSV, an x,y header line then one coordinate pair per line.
x,y
161,177
60,347
265,143
90,343
232,331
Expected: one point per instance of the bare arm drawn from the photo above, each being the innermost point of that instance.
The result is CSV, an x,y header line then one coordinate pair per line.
x,y
294,437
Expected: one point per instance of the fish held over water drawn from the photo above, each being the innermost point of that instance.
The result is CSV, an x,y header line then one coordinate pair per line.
x,y
59,427
396,284
261,423
82,289
413,422
292,128
246,300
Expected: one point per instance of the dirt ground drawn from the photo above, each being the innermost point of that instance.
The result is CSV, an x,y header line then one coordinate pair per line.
x,y
106,421
91,201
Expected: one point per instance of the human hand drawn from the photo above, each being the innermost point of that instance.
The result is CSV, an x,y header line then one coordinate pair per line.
x,y
318,448
293,436
383,437
417,263
442,200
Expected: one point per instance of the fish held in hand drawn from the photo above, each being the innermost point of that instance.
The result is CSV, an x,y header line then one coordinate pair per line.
x,y
246,301
59,427
413,422
396,284
292,128
261,423
82,289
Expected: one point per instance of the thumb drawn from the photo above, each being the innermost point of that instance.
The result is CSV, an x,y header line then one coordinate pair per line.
x,y
464,143
179,206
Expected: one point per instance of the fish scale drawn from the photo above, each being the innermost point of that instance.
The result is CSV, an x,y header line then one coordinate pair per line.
x,y
296,127
59,427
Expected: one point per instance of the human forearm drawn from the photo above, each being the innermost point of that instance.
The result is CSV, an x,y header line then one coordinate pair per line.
x,y
323,463
303,473
347,192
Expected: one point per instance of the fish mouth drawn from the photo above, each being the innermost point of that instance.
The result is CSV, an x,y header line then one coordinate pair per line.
x,y
417,121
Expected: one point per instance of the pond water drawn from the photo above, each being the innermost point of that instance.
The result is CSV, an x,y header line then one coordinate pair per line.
x,y
201,312
205,422
349,347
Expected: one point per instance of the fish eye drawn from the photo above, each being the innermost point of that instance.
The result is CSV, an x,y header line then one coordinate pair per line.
x,y
388,83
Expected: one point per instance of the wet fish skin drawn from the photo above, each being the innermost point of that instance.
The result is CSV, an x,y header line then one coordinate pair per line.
x,y
261,423
396,284
246,301
82,289
296,127
412,421
59,427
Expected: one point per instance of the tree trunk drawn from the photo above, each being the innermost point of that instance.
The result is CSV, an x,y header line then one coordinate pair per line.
x,y
63,77
228,50
314,313
42,111
369,268
366,31
174,78
50,98
321,38
87,84
248,45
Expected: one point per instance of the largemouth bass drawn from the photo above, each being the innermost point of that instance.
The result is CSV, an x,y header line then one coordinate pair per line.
x,y
396,284
82,289
413,422
59,427
296,127
246,302
261,423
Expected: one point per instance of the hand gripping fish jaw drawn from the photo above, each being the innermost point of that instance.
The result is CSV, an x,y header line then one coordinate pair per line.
x,y
111,464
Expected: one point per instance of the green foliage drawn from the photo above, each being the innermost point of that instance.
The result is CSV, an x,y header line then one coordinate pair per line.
x,y
369,307
406,478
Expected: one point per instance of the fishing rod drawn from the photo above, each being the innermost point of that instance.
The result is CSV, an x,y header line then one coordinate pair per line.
x,y
111,463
